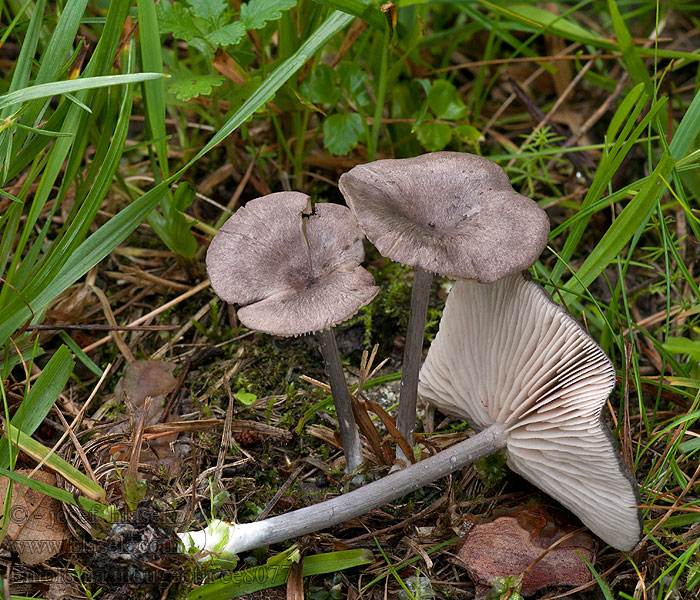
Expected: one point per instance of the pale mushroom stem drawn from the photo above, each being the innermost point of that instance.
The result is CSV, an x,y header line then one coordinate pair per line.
x,y
413,352
341,398
347,506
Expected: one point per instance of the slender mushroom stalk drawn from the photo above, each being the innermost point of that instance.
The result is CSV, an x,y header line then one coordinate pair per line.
x,y
450,213
341,399
296,271
518,367
228,539
413,352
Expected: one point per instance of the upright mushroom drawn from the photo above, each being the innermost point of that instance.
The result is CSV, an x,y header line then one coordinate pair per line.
x,y
450,213
296,270
517,366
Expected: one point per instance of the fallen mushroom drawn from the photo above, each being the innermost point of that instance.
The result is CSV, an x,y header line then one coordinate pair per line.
x,y
450,213
517,366
507,356
296,271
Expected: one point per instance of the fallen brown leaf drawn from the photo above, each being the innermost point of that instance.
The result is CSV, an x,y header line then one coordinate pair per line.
x,y
36,530
154,379
517,544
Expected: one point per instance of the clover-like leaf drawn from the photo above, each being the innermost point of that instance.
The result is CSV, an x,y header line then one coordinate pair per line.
x,y
434,136
342,132
444,101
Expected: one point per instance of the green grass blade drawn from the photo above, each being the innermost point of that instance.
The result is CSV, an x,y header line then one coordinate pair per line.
x,y
335,23
635,65
41,453
40,293
41,397
79,354
98,509
637,212
154,91
360,9
604,174
56,88
272,575
53,59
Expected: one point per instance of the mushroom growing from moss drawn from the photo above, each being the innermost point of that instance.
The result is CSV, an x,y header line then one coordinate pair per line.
x,y
520,368
296,270
450,213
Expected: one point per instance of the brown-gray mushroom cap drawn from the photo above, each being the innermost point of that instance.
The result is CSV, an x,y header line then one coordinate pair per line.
x,y
506,353
295,270
451,213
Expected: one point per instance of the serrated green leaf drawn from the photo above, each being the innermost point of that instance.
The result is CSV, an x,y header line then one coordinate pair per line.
x,y
210,10
445,102
228,35
186,88
257,13
342,132
177,19
434,136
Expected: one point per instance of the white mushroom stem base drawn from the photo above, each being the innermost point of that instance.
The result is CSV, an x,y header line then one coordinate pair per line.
x,y
230,539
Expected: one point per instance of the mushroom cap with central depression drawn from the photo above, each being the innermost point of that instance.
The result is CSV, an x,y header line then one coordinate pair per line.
x,y
450,213
294,269
507,354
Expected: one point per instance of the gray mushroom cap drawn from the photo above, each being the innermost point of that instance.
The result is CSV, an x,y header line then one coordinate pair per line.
x,y
450,213
506,353
295,269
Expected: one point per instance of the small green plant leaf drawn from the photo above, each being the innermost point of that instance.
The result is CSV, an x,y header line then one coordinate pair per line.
x,y
210,10
257,13
320,86
186,88
228,35
342,132
246,398
173,227
434,136
469,134
178,20
355,80
678,345
445,102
